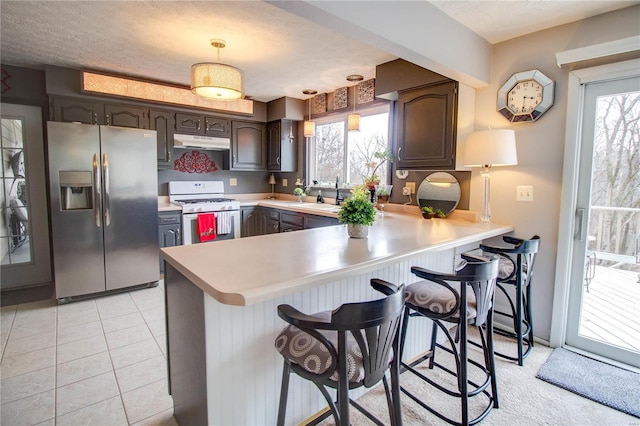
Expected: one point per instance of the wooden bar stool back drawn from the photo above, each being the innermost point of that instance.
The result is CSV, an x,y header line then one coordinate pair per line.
x,y
352,346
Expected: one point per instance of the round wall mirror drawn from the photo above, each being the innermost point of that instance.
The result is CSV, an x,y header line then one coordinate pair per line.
x,y
439,190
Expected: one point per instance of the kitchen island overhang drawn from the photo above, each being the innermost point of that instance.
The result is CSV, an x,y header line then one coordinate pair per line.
x,y
221,302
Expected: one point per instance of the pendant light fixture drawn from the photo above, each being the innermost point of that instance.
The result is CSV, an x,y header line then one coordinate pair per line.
x,y
353,120
309,126
215,80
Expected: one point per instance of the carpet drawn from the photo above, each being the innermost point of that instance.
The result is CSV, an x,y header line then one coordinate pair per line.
x,y
609,385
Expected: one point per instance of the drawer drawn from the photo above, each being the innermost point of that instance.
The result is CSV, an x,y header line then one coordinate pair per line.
x,y
164,219
292,219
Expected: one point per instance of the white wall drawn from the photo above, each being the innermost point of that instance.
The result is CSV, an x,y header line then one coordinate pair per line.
x,y
541,144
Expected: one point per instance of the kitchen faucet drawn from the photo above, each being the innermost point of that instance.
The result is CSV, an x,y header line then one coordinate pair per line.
x,y
339,198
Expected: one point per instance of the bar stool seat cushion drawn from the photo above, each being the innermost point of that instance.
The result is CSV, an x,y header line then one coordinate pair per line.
x,y
436,298
312,355
506,268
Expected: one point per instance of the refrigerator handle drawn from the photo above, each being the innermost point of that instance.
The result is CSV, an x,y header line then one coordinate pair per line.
x,y
105,182
96,190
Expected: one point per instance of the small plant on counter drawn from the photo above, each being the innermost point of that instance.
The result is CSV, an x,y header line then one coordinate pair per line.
x,y
357,210
428,212
299,192
439,213
381,157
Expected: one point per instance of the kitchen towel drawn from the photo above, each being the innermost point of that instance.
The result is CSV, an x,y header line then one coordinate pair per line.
x,y
207,226
223,220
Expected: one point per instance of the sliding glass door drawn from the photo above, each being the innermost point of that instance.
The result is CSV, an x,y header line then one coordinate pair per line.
x,y
604,300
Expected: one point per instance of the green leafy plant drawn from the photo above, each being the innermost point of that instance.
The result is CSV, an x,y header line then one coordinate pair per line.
x,y
428,209
440,213
357,210
298,191
382,191
381,157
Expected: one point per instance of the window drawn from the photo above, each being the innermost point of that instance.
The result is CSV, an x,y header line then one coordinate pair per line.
x,y
335,152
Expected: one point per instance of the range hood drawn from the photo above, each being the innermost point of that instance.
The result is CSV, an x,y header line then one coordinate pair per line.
x,y
200,142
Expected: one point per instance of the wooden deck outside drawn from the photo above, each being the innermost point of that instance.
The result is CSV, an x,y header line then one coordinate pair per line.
x,y
611,308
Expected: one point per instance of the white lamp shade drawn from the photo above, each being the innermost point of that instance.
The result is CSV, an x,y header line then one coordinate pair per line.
x,y
353,122
309,129
272,180
216,81
491,148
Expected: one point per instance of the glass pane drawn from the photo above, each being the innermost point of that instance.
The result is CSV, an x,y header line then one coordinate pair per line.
x,y
612,269
363,145
329,153
14,246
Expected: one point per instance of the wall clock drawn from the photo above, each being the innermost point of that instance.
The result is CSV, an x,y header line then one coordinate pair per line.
x,y
525,96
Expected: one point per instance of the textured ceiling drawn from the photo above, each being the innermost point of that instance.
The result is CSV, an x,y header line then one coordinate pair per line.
x,y
280,53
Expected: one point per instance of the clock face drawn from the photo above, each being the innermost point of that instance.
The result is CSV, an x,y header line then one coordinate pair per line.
x,y
525,96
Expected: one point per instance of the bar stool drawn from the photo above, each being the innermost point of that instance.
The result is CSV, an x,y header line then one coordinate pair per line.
x,y
347,348
446,299
517,275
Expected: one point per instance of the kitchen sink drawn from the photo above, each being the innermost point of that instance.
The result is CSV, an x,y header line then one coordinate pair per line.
x,y
318,207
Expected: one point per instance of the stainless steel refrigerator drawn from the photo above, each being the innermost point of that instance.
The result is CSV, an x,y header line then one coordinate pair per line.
x,y
104,208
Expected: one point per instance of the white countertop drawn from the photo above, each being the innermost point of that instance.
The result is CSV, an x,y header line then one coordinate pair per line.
x,y
247,271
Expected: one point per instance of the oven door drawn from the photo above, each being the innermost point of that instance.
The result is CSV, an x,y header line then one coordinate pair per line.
x,y
190,229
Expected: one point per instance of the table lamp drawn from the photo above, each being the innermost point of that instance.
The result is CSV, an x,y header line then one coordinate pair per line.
x,y
486,149
272,182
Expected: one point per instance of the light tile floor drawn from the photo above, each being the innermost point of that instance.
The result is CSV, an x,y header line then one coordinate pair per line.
x,y
94,362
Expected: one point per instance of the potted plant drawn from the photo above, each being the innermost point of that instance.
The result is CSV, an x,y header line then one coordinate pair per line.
x,y
358,213
381,157
428,212
298,192
439,213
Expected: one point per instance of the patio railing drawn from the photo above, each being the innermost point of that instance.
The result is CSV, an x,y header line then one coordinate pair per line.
x,y
614,234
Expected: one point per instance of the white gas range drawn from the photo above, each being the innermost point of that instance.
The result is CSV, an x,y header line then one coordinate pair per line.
x,y
198,197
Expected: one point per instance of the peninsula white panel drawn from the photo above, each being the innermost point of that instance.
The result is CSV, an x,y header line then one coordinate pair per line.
x,y
244,370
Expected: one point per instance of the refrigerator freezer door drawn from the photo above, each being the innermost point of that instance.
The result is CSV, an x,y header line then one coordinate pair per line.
x,y
130,194
77,241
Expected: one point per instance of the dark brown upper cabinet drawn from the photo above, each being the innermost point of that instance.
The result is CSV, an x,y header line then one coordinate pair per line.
x,y
282,146
248,146
70,110
126,116
163,122
426,127
195,124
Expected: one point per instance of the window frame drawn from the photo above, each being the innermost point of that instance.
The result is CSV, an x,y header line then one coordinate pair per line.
x,y
343,117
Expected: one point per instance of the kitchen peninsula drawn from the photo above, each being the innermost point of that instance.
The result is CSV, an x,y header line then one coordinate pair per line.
x,y
221,302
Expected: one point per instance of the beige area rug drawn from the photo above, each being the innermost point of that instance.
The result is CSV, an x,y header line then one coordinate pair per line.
x,y
524,399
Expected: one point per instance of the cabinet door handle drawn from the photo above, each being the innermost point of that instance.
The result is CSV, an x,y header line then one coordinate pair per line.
x,y
178,237
95,118
278,161
399,149
108,120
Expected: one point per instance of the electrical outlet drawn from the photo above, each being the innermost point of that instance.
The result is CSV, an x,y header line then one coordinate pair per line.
x,y
406,190
524,193
285,182
411,186
233,182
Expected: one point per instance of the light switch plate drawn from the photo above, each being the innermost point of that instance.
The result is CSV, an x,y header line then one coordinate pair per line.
x,y
233,182
285,182
524,193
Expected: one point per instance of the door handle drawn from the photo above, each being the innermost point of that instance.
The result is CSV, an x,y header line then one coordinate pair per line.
x,y
580,224
106,200
96,190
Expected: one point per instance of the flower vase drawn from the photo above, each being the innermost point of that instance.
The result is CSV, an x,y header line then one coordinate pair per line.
x,y
299,197
357,231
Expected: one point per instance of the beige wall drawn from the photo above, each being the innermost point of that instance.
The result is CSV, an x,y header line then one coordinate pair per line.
x,y
541,144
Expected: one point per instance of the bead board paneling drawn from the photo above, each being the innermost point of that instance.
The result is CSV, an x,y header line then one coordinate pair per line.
x,y
243,367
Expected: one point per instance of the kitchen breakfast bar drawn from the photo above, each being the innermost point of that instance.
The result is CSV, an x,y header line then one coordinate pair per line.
x,y
221,302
